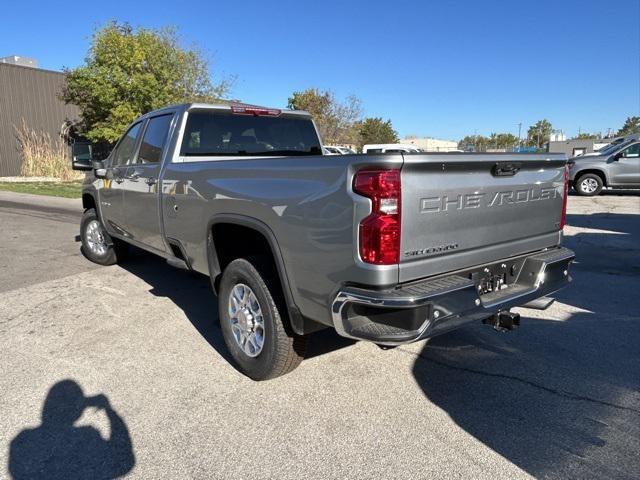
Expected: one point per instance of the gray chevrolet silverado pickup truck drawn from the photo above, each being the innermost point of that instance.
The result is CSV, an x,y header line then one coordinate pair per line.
x,y
615,166
389,248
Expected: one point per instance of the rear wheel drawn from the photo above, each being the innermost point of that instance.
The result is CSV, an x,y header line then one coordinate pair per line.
x,y
251,308
588,185
97,245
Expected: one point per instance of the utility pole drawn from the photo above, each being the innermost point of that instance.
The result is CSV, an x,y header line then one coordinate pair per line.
x,y
519,132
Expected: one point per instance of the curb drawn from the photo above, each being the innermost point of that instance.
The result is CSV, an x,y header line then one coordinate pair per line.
x,y
41,202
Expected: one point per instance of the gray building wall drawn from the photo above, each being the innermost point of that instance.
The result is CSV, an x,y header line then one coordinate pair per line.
x,y
568,146
30,94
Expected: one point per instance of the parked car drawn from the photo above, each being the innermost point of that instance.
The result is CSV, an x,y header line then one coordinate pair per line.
x,y
385,248
331,150
340,150
390,148
615,166
337,150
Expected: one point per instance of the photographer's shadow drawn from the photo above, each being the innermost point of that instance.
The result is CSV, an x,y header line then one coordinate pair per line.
x,y
57,449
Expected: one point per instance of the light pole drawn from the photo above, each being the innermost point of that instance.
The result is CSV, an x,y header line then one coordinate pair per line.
x,y
519,132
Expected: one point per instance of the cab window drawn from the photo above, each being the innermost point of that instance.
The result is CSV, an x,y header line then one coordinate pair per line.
x,y
632,151
126,147
211,133
154,139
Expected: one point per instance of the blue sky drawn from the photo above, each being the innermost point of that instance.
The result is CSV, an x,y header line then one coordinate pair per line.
x,y
442,69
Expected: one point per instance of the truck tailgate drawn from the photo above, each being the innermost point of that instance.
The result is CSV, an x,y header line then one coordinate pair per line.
x,y
460,210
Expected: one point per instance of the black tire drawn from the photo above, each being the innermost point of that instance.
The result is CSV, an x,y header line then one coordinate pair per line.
x,y
588,185
116,250
282,350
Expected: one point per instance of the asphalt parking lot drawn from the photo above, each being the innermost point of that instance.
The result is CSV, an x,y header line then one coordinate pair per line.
x,y
109,371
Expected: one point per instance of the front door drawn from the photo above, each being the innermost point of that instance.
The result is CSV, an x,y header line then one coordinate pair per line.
x,y
626,168
112,191
141,198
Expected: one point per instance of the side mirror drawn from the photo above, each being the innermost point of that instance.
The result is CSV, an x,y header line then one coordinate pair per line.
x,y
99,169
81,154
618,156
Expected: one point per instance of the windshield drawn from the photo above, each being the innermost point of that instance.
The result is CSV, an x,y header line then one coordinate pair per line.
x,y
612,147
211,133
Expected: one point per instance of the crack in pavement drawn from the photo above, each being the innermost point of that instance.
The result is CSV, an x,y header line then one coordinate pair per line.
x,y
553,391
28,309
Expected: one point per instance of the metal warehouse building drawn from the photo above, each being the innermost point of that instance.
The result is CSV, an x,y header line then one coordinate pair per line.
x,y
31,94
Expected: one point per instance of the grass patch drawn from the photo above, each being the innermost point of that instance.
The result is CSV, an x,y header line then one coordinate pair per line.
x,y
53,189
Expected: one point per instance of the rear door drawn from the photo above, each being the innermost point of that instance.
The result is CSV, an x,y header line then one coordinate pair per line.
x,y
141,197
112,191
461,210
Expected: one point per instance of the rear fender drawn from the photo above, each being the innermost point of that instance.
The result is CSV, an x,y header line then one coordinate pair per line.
x,y
299,323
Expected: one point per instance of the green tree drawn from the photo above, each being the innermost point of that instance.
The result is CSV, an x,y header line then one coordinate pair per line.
x,y
631,125
376,130
130,72
477,143
502,140
539,134
336,120
480,143
586,136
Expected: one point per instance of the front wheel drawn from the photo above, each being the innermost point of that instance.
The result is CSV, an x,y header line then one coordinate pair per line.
x,y
250,306
588,185
97,245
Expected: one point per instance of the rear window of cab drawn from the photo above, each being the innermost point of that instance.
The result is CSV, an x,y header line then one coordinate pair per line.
x,y
219,133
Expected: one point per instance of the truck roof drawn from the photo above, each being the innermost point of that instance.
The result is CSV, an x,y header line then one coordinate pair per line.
x,y
228,106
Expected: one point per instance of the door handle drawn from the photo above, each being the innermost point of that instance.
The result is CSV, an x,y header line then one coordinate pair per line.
x,y
137,173
506,169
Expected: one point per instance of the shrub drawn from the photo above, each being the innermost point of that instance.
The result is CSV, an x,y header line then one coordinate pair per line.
x,y
43,156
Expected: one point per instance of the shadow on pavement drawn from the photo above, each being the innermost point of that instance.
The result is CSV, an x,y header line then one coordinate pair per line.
x,y
558,398
189,291
613,247
58,449
192,293
624,223
619,192
612,192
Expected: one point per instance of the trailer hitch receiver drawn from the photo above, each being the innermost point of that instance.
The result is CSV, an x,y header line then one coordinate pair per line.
x,y
504,321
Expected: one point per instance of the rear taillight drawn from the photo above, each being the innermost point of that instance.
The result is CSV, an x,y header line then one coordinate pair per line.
x,y
380,231
563,218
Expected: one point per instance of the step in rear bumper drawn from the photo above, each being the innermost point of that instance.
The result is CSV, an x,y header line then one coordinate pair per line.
x,y
424,309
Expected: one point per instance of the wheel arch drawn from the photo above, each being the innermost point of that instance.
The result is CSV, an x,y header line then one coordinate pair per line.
x,y
217,260
595,171
89,201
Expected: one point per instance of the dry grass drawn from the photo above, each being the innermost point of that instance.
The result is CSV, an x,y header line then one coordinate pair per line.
x,y
43,156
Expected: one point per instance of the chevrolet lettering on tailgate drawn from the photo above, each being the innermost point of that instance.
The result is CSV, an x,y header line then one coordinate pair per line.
x,y
446,203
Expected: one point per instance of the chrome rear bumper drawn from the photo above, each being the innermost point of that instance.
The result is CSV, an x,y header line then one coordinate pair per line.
x,y
424,309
